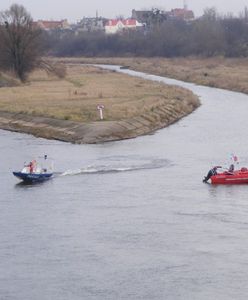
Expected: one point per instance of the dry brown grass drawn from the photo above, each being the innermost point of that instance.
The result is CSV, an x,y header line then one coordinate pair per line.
x,y
76,96
231,74
7,80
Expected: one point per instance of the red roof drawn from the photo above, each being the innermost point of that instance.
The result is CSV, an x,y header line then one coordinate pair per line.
x,y
127,22
182,13
50,24
130,22
112,22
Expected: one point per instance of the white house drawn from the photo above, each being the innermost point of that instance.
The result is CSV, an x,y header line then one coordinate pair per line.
x,y
115,26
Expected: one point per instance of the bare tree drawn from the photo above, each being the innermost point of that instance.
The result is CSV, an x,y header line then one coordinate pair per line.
x,y
210,14
20,41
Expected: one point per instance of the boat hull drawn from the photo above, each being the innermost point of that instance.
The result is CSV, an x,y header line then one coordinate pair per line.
x,y
33,177
236,177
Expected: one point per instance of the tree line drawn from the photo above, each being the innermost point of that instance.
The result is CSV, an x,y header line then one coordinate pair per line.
x,y
208,36
22,45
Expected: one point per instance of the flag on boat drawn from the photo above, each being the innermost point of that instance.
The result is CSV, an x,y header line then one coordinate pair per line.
x,y
234,158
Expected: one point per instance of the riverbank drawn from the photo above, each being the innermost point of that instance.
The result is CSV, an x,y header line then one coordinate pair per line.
x,y
219,72
8,81
66,109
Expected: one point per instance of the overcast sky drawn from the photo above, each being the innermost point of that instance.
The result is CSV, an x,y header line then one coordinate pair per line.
x,y
74,10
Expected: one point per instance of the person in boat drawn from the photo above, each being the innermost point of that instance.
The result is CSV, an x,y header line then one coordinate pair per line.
x,y
231,169
32,166
211,173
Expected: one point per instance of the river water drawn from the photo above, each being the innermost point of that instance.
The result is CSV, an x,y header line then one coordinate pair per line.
x,y
130,219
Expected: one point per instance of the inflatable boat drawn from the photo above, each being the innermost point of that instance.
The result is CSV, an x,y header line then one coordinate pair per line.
x,y
235,177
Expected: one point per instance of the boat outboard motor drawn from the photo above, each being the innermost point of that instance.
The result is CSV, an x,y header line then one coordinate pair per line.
x,y
211,173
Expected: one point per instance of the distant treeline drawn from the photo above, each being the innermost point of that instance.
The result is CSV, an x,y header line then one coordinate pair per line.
x,y
209,35
23,45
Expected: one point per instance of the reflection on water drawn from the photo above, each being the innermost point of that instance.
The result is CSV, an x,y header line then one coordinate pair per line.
x,y
23,184
135,220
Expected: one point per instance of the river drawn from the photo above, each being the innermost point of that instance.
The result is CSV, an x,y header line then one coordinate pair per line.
x,y
130,219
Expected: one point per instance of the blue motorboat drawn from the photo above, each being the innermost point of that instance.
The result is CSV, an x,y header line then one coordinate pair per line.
x,y
33,177
35,171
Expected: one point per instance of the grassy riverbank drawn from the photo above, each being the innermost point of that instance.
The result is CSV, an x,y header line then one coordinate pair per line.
x,y
8,81
226,73
143,105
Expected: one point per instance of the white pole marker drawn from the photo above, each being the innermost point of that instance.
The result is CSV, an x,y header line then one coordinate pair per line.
x,y
100,107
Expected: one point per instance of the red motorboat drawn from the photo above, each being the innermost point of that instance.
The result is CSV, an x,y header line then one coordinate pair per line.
x,y
227,177
235,177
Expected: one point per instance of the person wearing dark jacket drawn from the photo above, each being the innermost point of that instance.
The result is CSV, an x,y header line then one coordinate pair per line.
x,y
211,173
231,169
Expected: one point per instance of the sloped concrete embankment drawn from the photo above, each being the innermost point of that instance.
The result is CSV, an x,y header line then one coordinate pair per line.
x,y
95,132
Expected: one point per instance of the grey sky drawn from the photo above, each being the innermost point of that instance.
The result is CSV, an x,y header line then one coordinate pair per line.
x,y
74,10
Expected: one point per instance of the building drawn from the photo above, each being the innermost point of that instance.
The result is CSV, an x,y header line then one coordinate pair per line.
x,y
118,25
157,16
182,14
52,25
142,16
91,24
150,17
